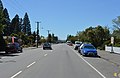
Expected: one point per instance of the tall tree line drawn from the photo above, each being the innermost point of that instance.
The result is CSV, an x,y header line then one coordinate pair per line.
x,y
94,35
19,27
16,25
2,24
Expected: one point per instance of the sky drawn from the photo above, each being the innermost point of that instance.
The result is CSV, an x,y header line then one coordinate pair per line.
x,y
65,17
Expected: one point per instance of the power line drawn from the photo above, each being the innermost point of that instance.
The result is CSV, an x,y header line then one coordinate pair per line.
x,y
12,6
17,5
20,5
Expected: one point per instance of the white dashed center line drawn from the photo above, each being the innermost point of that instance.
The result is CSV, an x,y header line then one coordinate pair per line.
x,y
45,54
16,74
31,64
27,67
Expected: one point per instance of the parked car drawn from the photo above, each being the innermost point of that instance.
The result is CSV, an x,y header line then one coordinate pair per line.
x,y
13,47
47,45
77,44
69,43
87,49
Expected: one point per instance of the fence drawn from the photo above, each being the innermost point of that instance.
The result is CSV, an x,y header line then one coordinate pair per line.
x,y
115,49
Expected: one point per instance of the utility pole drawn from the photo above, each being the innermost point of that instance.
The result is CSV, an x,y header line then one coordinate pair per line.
x,y
37,32
48,39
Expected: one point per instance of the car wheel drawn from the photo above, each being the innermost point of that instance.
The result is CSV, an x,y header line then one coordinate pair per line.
x,y
80,53
75,48
21,51
17,51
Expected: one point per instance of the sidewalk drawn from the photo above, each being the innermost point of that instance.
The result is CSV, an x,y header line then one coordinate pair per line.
x,y
33,47
111,57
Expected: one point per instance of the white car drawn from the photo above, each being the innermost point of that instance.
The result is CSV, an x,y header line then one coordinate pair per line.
x,y
77,44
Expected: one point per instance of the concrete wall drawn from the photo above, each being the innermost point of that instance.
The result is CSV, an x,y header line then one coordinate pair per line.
x,y
115,49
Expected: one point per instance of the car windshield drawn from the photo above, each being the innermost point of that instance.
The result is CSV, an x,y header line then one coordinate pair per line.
x,y
77,43
69,42
46,44
89,47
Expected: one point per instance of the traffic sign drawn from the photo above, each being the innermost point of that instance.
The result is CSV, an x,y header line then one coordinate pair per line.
x,y
112,40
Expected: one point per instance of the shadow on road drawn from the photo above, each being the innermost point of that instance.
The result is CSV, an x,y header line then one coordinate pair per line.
x,y
9,54
94,56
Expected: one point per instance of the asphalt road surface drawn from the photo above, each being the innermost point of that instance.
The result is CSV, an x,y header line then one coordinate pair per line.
x,y
61,62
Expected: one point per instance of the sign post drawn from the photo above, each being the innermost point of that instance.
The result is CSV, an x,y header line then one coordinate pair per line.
x,y
13,39
112,42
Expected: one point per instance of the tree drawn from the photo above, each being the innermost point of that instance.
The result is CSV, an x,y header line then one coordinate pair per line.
x,y
34,35
54,38
42,40
116,34
6,22
106,33
1,18
1,5
30,38
15,25
99,35
72,38
1,21
20,24
26,25
49,38
116,23
2,41
95,35
82,36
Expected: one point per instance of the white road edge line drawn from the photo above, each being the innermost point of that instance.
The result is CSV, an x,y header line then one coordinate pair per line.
x,y
16,74
90,65
31,64
45,54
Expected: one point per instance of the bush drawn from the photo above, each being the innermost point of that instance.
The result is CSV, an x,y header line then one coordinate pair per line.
x,y
117,45
25,46
102,47
2,43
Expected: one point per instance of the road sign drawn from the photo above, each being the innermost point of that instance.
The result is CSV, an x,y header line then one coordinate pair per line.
x,y
112,40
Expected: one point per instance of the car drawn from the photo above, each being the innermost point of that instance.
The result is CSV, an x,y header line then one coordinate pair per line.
x,y
87,49
13,47
69,43
77,44
47,45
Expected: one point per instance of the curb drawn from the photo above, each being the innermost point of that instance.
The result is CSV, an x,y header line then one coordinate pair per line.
x,y
110,60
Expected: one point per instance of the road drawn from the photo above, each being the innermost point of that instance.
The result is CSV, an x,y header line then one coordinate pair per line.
x,y
61,62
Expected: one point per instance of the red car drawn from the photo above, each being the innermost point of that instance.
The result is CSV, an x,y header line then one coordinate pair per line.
x,y
69,43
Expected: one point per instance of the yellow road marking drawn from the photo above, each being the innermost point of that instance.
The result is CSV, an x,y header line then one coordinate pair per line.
x,y
115,74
